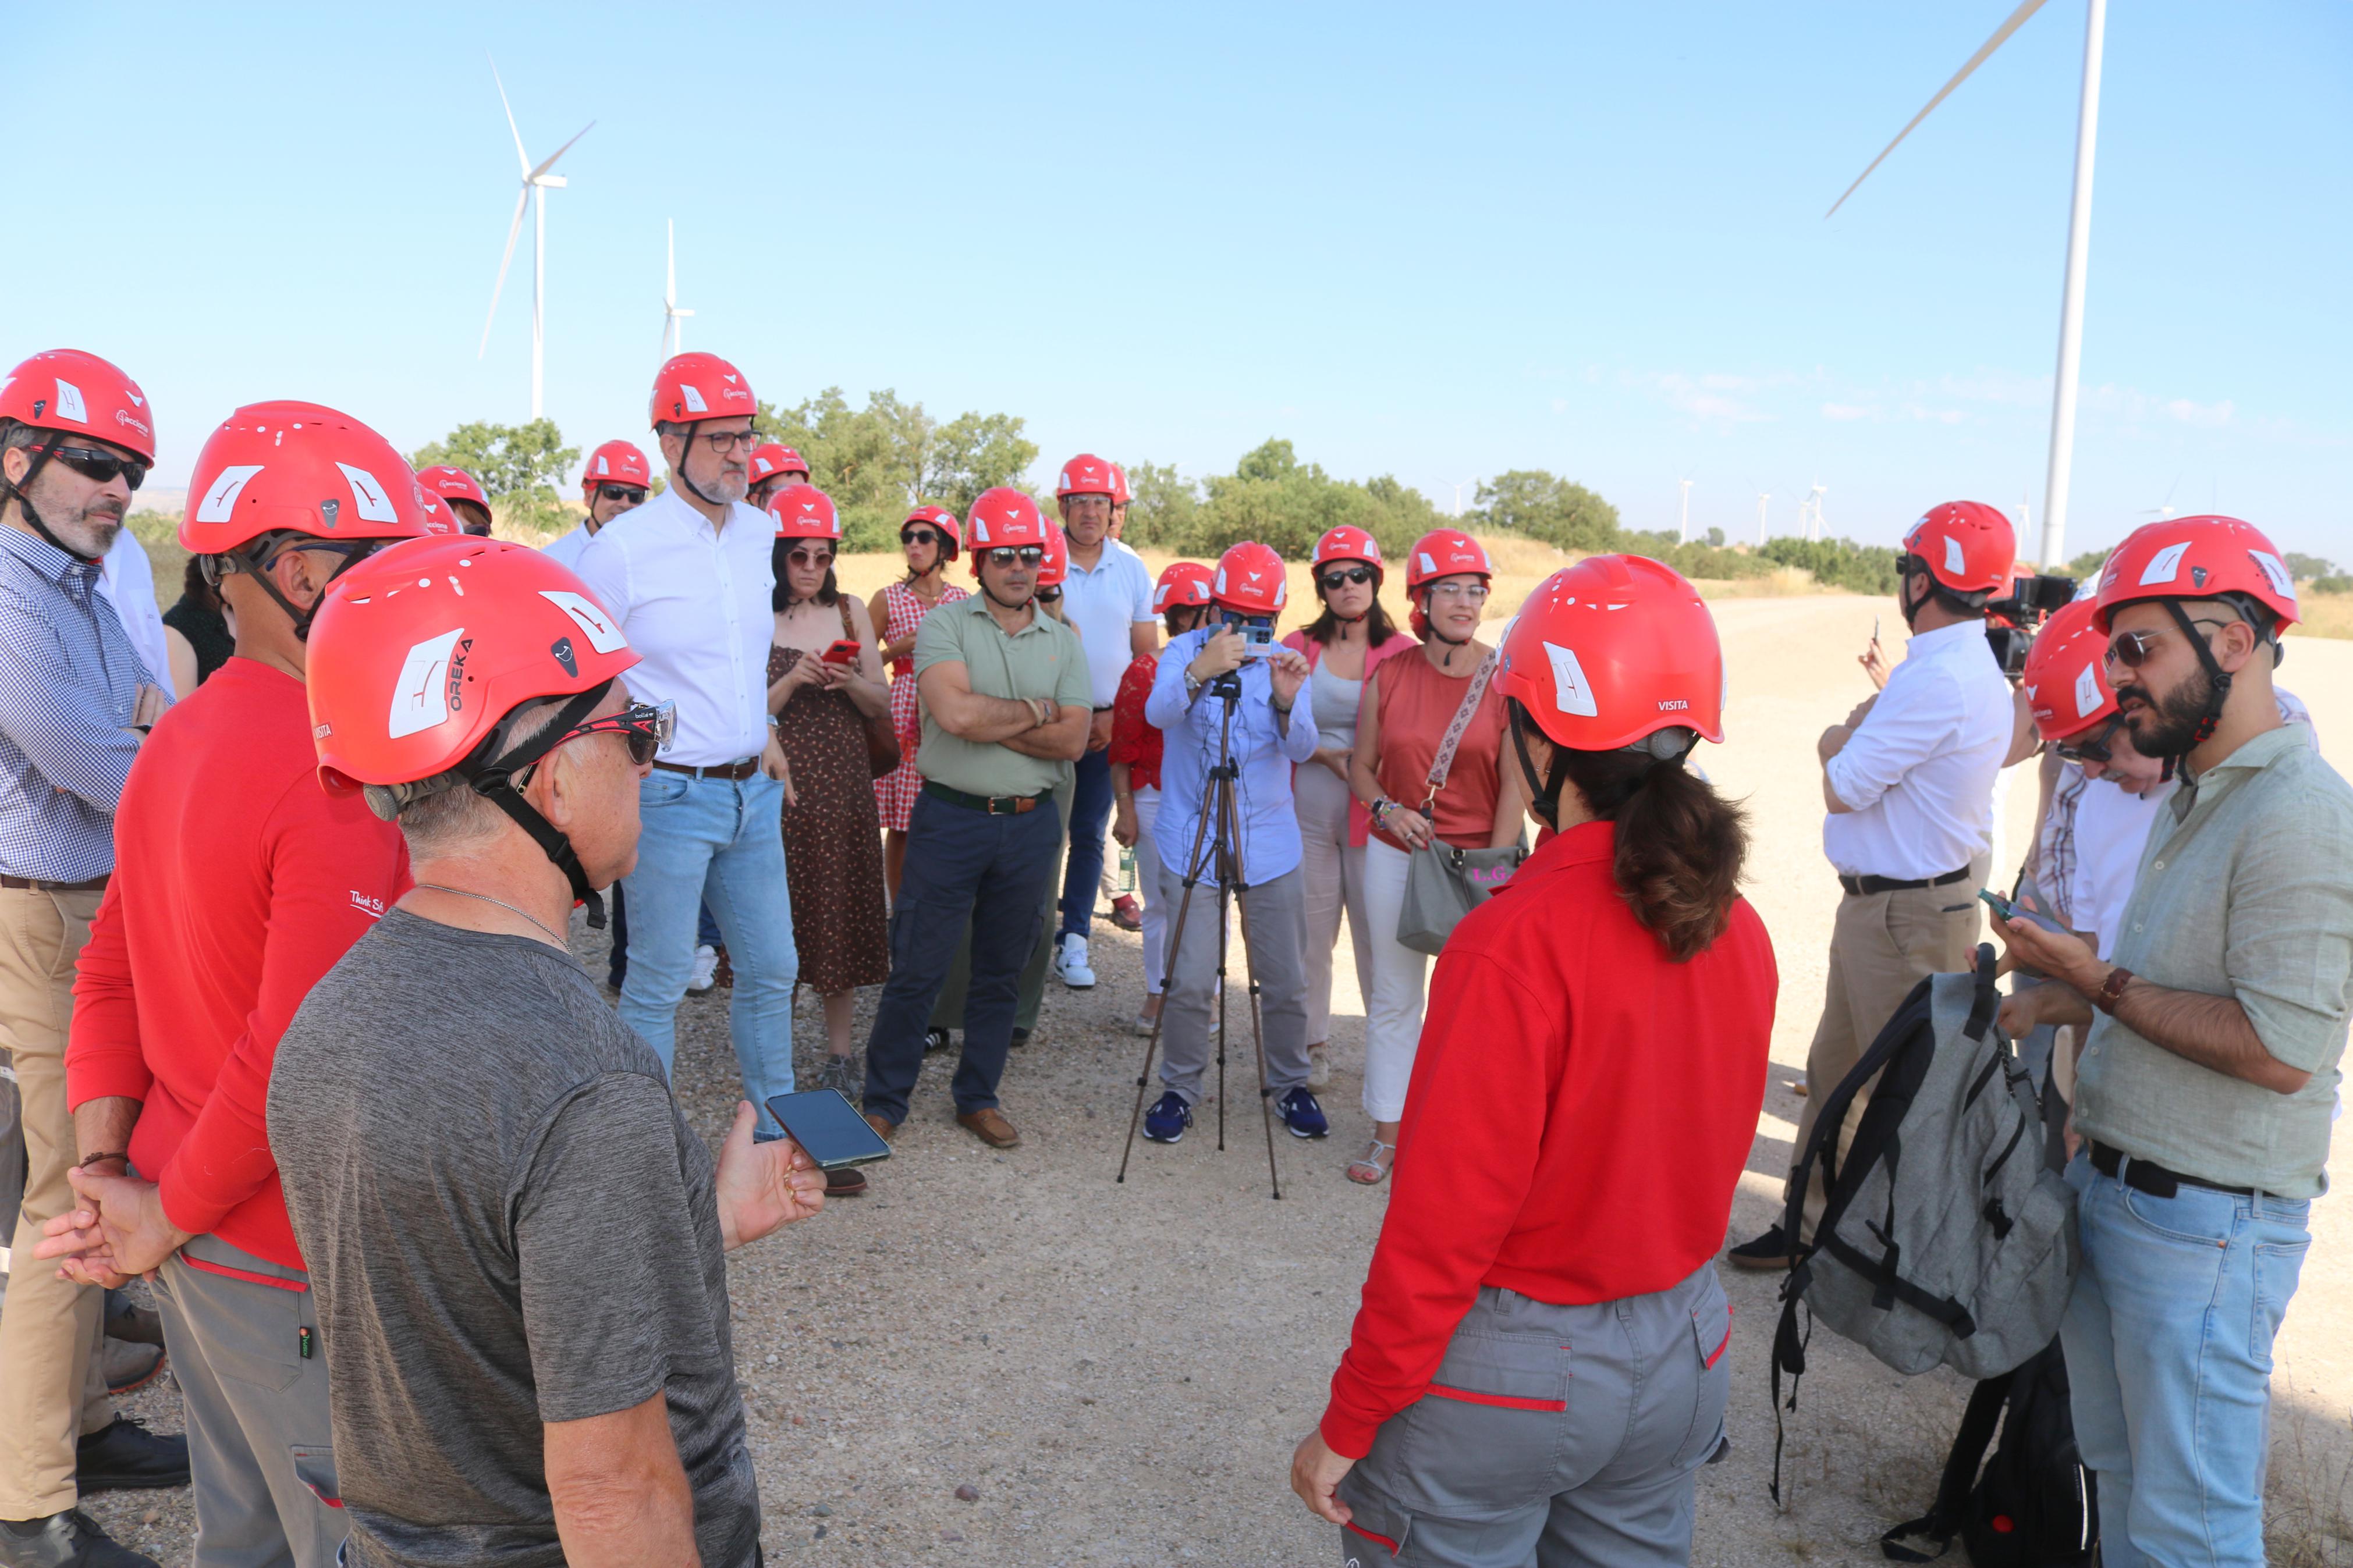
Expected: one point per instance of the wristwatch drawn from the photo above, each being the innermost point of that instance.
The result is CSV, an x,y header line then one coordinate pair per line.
x,y
2111,989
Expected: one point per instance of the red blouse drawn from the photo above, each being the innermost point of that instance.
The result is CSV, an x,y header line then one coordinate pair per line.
x,y
1134,739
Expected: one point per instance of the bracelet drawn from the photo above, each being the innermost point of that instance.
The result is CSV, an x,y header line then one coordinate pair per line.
x,y
2111,989
1382,806
88,1160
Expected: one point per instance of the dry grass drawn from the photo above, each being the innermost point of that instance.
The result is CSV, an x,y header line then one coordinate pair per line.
x,y
2308,1504
2325,616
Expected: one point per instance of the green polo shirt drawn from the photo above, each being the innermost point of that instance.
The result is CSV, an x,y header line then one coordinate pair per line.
x,y
1043,660
2245,889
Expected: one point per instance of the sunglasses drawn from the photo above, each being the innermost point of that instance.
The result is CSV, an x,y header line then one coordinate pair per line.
x,y
809,560
646,727
1047,595
634,494
1014,554
213,568
918,536
2132,649
92,464
1346,574
2092,751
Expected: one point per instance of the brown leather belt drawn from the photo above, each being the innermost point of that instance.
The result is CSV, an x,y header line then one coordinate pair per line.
x,y
35,885
993,804
733,772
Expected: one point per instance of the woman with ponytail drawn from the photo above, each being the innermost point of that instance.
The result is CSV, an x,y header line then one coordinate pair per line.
x,y
1583,1101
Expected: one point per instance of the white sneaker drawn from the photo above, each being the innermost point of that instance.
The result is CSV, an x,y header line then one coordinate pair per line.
x,y
1070,963
1319,1066
706,968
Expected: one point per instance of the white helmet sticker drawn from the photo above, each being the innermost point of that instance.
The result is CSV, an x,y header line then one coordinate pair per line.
x,y
220,500
603,466
1570,691
693,398
1953,560
1281,591
1429,565
2165,565
2282,584
69,403
979,529
1372,549
603,635
420,697
374,501
2087,692
1221,578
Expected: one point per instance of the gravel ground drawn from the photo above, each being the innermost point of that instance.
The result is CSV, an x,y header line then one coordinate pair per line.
x,y
1117,1373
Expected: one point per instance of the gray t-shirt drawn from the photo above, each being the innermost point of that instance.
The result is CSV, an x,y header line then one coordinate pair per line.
x,y
506,1221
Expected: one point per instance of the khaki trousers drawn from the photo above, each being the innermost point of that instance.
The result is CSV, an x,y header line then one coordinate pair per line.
x,y
1882,945
48,1328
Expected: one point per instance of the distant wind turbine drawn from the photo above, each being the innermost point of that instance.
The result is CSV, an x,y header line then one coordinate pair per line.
x,y
1682,528
2079,240
536,183
1763,499
1459,486
673,335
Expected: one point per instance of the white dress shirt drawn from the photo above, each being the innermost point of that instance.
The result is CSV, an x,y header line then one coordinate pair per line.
x,y
567,548
1104,603
1918,773
127,578
694,602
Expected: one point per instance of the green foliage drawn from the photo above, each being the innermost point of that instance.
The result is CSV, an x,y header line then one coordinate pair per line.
x,y
1275,498
1557,512
519,467
1715,537
972,453
1167,506
2315,568
1837,563
2335,583
2087,564
879,460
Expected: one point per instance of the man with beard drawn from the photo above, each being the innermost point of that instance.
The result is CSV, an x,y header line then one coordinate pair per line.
x,y
76,439
2206,1085
688,576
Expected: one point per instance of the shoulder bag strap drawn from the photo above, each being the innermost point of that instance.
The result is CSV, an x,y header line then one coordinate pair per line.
x,y
1443,763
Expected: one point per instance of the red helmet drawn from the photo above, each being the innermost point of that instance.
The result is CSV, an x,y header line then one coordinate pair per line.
x,y
1181,583
1003,516
2066,676
452,484
81,394
1967,546
1120,494
771,459
1348,543
1055,569
440,517
1444,552
1613,649
2196,558
1249,578
1085,475
804,512
943,520
420,651
298,465
693,387
616,463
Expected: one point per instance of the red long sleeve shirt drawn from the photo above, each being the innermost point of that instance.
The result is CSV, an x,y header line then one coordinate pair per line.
x,y
1134,739
238,882
1580,1111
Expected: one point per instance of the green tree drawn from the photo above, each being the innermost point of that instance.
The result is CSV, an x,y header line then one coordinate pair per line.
x,y
519,467
972,453
2307,568
1556,510
1837,563
1166,510
2087,564
879,460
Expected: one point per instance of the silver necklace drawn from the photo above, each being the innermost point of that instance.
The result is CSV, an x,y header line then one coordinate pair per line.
x,y
526,914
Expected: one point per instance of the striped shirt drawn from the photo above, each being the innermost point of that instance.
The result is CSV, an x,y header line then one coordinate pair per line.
x,y
69,683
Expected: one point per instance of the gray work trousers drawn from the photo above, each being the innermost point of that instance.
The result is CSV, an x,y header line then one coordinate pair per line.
x,y
1563,1436
1274,916
259,1446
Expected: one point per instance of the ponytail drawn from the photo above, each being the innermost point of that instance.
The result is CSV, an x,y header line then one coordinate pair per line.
x,y
1680,844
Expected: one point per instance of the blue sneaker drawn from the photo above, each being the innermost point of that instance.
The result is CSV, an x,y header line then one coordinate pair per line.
x,y
1301,1114
1169,1117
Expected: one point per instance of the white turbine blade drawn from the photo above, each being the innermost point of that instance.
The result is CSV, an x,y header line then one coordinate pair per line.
x,y
513,230
522,159
669,253
559,153
2001,35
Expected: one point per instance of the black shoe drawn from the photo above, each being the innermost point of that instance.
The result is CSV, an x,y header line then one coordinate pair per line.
x,y
935,1040
1770,1251
68,1540
123,1455
127,1320
1020,1038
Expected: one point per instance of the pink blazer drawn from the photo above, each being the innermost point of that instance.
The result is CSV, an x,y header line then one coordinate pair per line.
x,y
1360,821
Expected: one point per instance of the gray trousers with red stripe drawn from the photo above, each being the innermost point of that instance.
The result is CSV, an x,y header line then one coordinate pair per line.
x,y
254,1378
1565,1436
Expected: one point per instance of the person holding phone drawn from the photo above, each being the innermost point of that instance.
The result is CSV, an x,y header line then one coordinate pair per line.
x,y
825,681
1181,594
931,538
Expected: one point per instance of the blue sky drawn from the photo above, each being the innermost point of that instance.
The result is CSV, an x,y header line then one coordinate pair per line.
x,y
1436,242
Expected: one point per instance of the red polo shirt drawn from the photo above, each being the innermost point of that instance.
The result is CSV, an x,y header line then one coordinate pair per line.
x,y
238,882
1581,1109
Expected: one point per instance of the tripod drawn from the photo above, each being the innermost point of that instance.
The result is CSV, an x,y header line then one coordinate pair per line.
x,y
1218,855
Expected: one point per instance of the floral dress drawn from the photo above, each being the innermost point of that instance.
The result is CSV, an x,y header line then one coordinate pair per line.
x,y
833,855
896,791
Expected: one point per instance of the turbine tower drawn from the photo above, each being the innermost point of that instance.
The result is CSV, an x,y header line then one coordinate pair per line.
x,y
1762,499
673,335
536,183
1683,530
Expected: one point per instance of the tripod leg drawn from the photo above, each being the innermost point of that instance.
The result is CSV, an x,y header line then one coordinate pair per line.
x,y
1258,1038
1168,971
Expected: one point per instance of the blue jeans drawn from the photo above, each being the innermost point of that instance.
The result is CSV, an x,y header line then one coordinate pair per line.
x,y
1082,873
960,863
2169,1339
719,840
617,967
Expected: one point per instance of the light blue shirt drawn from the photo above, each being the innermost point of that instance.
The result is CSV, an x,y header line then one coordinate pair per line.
x,y
1267,745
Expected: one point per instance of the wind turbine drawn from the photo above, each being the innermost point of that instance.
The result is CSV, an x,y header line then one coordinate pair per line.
x,y
1460,485
1763,499
1682,528
1813,511
673,335
2079,240
536,183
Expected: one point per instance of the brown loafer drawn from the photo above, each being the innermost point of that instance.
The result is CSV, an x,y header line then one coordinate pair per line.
x,y
990,1127
846,1182
882,1129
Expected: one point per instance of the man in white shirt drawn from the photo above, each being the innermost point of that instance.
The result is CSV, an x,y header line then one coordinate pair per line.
x,y
1908,781
689,576
127,578
1108,597
615,480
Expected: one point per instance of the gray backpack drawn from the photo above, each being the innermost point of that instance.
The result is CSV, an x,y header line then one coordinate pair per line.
x,y
1945,1238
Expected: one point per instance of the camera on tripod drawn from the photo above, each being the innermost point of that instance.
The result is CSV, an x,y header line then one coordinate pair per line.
x,y
2011,622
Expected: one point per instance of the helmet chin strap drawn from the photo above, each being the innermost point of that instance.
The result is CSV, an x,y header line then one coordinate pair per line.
x,y
1544,794
251,563
23,492
494,781
693,488
2218,681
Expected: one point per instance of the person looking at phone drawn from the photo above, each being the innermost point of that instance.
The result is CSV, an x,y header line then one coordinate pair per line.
x,y
615,480
515,1241
825,682
1233,660
2206,1085
1908,780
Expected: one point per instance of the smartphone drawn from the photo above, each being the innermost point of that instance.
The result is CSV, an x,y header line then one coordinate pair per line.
x,y
842,651
824,1122
2006,910
1258,641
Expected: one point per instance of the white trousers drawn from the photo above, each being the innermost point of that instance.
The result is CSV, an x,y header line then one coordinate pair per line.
x,y
1147,888
1393,1006
1333,884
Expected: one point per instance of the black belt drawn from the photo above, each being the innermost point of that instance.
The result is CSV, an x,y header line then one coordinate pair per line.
x,y
2148,1176
1862,884
35,885
994,805
732,771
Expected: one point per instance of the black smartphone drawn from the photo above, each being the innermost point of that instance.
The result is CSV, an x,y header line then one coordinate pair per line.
x,y
2004,910
824,1122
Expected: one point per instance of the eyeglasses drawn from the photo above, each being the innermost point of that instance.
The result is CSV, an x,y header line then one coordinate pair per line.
x,y
1469,592
809,560
725,441
1047,595
1013,554
1346,574
213,568
634,494
92,464
2132,649
918,536
2092,751
647,728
